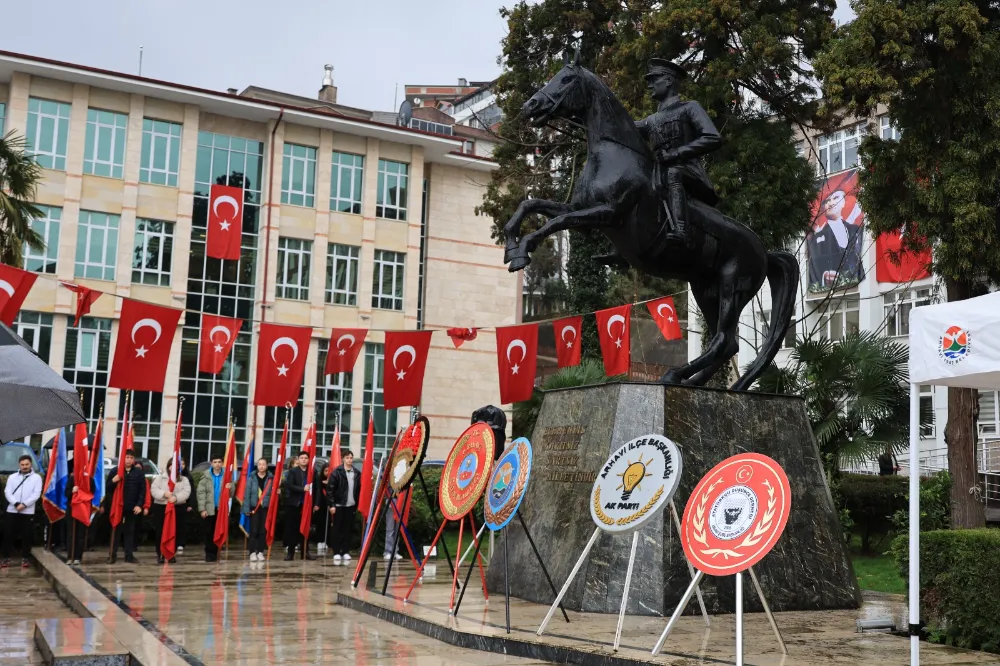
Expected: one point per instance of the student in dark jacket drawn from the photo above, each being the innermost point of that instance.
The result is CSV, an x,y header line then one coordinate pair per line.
x,y
134,497
294,486
255,504
345,490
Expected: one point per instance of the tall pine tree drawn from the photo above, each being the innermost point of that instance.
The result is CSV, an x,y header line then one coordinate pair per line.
x,y
936,65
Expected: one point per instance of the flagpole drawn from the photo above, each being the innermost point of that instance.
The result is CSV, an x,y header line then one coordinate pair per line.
x,y
114,528
305,537
86,529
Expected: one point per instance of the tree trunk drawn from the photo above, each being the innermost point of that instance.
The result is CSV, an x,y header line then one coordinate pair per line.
x,y
960,437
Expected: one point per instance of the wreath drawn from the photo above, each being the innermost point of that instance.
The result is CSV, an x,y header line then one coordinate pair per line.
x,y
752,539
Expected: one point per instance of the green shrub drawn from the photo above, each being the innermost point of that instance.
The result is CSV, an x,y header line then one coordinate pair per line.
x,y
959,585
935,504
872,502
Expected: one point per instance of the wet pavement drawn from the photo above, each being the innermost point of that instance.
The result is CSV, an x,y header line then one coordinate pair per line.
x,y
25,597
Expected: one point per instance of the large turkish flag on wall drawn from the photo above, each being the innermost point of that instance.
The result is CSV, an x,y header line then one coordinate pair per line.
x,y
225,222
517,357
281,363
568,340
218,335
613,330
145,336
404,365
912,265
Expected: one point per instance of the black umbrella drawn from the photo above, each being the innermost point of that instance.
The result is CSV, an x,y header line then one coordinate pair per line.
x,y
33,397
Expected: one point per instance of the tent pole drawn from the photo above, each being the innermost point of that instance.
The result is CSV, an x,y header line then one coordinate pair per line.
x,y
914,599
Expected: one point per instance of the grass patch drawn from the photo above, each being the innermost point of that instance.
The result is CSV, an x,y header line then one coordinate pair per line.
x,y
878,573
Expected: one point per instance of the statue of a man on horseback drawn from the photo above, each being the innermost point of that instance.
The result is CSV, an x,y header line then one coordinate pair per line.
x,y
644,187
680,133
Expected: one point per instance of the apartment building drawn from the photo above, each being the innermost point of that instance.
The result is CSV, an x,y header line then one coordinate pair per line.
x,y
348,222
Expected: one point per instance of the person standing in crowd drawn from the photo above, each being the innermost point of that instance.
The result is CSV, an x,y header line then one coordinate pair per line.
x,y
295,487
161,497
133,498
321,482
22,491
390,528
209,491
182,508
345,484
255,504
76,535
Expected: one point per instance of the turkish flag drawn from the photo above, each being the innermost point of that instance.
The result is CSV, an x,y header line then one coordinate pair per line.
x,y
568,340
218,335
460,335
145,336
665,315
305,520
894,264
613,331
403,372
225,222
517,355
168,535
345,345
281,363
81,476
14,287
85,297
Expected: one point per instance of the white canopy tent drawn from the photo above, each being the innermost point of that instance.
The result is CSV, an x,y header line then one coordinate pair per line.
x,y
951,344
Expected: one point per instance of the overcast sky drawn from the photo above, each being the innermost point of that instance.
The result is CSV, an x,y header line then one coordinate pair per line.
x,y
373,44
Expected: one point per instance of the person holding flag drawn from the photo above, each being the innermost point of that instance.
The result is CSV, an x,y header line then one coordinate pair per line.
x,y
246,471
345,492
22,491
295,496
54,500
169,489
309,504
79,494
97,476
209,492
256,501
272,508
224,502
184,509
129,495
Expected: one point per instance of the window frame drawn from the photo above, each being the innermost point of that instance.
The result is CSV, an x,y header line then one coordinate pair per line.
x,y
838,313
373,394
115,164
896,306
151,130
292,290
357,189
928,431
305,197
392,191
352,258
85,227
845,140
49,159
887,129
48,227
142,274
395,262
41,325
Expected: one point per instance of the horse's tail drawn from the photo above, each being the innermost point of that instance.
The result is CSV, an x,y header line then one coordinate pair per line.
x,y
783,276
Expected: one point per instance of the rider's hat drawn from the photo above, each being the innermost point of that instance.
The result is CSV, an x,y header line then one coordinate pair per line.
x,y
659,66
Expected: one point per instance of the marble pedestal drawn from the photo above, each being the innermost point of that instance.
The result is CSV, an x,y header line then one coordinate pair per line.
x,y
577,429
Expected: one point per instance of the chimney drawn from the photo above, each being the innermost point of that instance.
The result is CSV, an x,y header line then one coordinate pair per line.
x,y
232,91
463,83
328,93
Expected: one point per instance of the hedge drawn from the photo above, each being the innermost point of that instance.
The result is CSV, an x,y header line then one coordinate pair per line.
x,y
872,501
959,585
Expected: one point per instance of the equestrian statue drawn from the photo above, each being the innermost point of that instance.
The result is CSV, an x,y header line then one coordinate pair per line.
x,y
644,187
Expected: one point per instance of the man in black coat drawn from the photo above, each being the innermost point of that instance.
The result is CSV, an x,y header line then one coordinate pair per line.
x,y
134,496
345,490
294,487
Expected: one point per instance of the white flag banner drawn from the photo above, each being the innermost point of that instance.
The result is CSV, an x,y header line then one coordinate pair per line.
x,y
957,344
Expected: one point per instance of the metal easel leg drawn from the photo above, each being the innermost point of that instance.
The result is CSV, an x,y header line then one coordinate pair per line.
x,y
767,610
739,618
628,583
697,590
688,593
572,575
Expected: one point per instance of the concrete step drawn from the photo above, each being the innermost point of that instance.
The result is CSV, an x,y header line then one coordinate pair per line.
x,y
78,641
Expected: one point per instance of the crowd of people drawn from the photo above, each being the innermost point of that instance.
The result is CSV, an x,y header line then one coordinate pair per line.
x,y
334,495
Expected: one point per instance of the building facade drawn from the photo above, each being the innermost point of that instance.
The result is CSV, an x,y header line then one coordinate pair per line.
x,y
347,223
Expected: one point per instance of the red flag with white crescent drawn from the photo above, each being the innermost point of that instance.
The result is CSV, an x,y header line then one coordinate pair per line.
x,y
345,345
281,363
460,335
85,298
613,331
81,476
225,222
567,333
405,362
145,336
14,287
665,315
517,356
305,520
218,335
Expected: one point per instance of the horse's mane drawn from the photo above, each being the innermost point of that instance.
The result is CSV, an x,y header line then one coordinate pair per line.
x,y
615,111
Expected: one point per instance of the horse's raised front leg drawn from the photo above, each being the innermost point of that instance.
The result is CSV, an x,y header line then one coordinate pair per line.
x,y
512,230
724,343
595,216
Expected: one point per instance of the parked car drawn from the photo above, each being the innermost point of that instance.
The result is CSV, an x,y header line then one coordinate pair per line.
x,y
149,468
11,452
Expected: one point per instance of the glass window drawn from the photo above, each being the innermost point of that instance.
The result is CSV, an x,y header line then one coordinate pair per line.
x,y
888,130
151,253
345,183
87,361
48,132
96,246
897,306
161,152
428,126
839,319
35,328
387,285
274,424
927,430
333,404
385,421
788,342
293,268
146,416
392,181
988,422
342,274
839,151
3,115
104,150
47,227
298,176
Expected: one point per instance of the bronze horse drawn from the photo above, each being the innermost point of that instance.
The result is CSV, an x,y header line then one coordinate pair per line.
x,y
726,265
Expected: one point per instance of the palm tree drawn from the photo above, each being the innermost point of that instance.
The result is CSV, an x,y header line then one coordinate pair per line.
x,y
856,393
19,176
